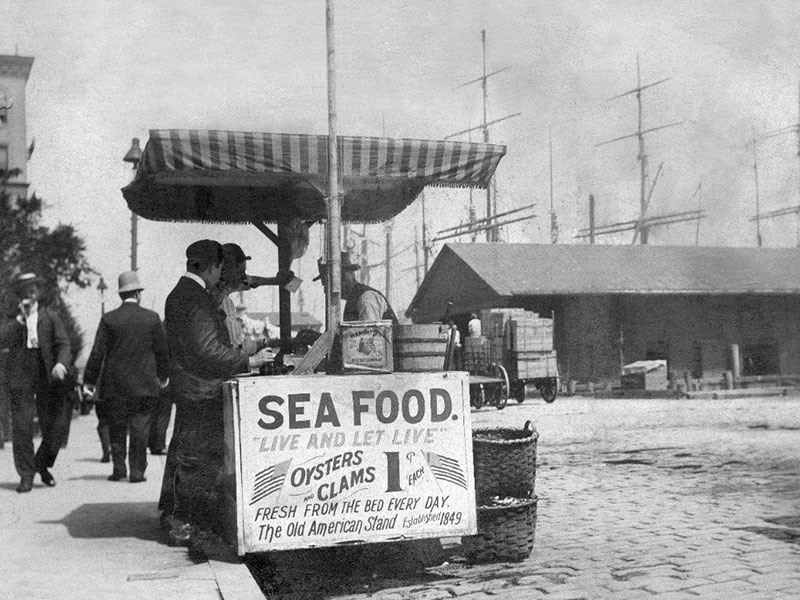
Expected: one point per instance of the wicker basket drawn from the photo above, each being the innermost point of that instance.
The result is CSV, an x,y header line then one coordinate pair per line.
x,y
504,462
505,533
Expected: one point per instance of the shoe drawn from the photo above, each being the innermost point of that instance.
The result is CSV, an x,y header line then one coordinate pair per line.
x,y
106,458
180,535
47,478
137,478
116,477
26,485
158,452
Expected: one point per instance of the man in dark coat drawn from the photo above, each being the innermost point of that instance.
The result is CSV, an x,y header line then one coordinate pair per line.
x,y
130,358
200,360
38,356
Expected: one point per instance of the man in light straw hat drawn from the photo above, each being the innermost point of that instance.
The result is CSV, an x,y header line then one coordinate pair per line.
x,y
38,356
130,359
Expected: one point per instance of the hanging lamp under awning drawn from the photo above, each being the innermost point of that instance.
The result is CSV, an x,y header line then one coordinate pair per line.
x,y
239,177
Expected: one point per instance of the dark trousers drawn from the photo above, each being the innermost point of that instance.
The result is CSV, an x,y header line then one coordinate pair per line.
x,y
160,423
54,412
130,415
192,489
5,414
103,427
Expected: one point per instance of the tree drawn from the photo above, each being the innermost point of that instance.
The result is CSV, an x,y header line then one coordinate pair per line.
x,y
57,255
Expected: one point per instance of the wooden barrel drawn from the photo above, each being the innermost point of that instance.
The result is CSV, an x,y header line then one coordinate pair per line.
x,y
420,348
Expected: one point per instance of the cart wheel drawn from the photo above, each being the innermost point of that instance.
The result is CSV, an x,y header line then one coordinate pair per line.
x,y
501,390
548,391
519,391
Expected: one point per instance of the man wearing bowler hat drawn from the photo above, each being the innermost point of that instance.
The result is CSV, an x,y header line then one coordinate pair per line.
x,y
201,358
130,359
362,303
38,355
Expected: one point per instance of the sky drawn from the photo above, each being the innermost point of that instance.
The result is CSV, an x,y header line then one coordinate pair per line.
x,y
107,71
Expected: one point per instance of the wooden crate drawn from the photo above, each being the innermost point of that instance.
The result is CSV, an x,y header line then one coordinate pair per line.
x,y
532,365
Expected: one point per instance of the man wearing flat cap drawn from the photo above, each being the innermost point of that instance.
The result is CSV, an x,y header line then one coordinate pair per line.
x,y
38,356
130,359
362,303
200,360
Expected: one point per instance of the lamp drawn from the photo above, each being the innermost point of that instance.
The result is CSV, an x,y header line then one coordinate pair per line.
x,y
133,156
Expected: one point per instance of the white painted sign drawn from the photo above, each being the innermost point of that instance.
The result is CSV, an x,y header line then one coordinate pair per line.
x,y
322,459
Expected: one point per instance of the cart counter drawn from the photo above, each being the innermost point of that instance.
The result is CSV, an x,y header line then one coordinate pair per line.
x,y
322,460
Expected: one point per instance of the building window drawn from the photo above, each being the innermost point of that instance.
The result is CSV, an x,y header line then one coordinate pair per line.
x,y
3,158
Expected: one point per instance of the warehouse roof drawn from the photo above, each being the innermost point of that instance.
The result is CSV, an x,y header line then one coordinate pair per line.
x,y
494,273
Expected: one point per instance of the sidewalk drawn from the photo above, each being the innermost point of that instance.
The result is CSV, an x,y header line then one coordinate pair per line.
x,y
92,538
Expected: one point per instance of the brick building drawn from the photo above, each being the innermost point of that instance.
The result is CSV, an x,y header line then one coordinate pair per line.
x,y
14,72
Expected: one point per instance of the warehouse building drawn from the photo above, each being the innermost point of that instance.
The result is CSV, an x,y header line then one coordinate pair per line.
x,y
706,311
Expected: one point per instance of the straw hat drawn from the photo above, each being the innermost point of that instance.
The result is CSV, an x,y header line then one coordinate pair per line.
x,y
21,279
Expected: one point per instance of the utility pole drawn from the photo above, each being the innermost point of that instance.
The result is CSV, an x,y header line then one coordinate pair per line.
x,y
591,218
553,221
699,208
758,201
425,246
642,158
388,287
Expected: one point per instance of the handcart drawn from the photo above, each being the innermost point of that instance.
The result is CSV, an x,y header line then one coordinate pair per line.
x,y
488,380
547,387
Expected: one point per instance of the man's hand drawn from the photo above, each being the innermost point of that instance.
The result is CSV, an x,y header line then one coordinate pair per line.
x,y
163,383
59,371
261,357
284,277
249,346
89,391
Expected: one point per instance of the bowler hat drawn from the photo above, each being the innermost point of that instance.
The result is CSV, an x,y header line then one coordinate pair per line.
x,y
209,250
345,263
21,279
129,282
235,252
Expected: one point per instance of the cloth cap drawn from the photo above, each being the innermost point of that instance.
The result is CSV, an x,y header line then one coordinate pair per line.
x,y
129,282
346,266
235,252
21,279
209,250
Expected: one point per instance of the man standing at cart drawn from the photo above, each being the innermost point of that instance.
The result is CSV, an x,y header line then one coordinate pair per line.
x,y
362,303
200,360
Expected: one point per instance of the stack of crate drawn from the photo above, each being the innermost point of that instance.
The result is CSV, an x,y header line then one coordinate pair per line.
x,y
529,347
494,324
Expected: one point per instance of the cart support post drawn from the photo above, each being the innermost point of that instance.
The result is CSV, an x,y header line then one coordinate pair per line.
x,y
284,297
334,288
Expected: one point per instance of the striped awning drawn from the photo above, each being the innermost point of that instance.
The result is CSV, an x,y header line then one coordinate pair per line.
x,y
225,176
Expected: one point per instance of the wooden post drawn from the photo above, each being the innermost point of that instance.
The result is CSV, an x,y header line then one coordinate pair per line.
x,y
591,218
334,209
736,363
284,297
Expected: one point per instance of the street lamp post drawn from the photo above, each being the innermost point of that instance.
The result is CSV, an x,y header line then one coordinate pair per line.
x,y
102,287
133,156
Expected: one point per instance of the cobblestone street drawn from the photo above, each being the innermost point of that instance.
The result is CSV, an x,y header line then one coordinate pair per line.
x,y
638,498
